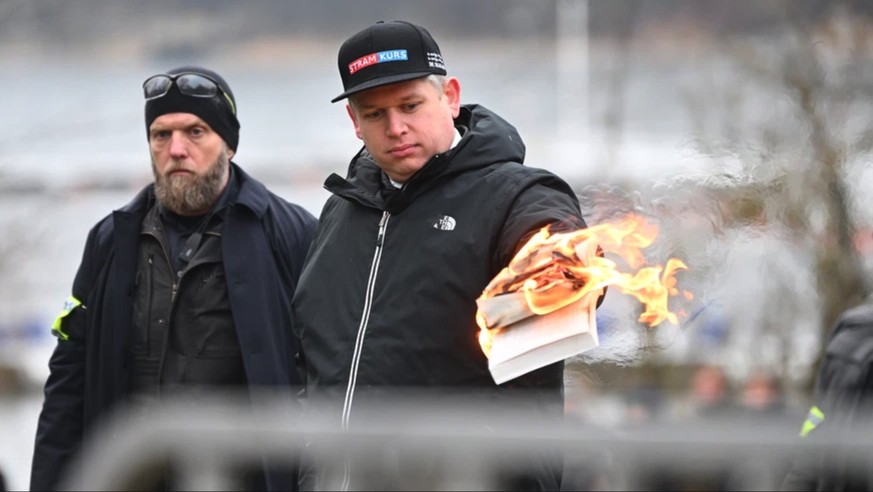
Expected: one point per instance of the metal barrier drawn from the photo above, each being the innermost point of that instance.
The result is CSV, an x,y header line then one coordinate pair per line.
x,y
415,442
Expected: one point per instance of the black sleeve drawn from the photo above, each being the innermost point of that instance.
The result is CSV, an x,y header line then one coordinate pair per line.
x,y
548,202
60,425
536,206
290,234
290,237
804,470
840,390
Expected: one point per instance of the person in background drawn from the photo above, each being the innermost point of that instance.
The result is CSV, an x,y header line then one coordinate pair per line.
x,y
710,393
187,288
762,404
433,206
710,401
842,411
762,396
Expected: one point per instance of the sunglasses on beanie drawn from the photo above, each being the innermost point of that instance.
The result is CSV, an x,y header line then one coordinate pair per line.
x,y
189,84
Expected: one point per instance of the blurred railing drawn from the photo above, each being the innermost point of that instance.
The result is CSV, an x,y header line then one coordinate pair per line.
x,y
421,443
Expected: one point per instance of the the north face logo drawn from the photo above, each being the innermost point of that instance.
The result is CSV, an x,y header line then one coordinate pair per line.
x,y
445,223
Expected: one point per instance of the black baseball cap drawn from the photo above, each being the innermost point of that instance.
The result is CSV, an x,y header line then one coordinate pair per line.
x,y
387,53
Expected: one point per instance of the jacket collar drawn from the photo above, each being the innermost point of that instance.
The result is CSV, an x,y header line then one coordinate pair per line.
x,y
252,193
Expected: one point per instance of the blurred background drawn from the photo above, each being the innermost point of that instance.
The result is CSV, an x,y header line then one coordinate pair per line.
x,y
740,127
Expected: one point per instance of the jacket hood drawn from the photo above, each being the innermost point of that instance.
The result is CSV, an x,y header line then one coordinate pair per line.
x,y
486,139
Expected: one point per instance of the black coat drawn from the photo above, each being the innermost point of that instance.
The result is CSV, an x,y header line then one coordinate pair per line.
x,y
387,295
264,240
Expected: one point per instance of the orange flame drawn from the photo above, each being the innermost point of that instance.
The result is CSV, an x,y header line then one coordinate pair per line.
x,y
555,270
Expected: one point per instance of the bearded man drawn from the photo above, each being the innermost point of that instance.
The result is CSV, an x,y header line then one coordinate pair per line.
x,y
185,289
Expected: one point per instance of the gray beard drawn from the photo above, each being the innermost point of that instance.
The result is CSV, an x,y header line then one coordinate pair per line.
x,y
192,195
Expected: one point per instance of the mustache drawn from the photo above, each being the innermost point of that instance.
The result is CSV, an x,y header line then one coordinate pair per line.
x,y
174,167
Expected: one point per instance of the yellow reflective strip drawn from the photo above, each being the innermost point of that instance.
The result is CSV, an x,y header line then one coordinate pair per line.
x,y
815,417
70,304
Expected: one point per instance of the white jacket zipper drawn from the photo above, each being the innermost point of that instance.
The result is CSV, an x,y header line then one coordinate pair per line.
x,y
362,328
365,317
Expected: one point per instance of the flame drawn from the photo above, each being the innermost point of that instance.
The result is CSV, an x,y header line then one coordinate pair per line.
x,y
484,336
555,270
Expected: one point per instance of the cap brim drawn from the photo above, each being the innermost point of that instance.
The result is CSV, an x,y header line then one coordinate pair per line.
x,y
380,81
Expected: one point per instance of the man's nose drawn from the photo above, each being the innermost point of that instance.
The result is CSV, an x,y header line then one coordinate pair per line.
x,y
178,145
396,124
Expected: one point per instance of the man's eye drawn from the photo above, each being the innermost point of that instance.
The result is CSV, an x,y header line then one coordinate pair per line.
x,y
197,131
161,134
373,115
411,107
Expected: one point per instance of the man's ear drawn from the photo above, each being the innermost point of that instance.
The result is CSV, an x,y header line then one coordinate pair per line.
x,y
230,154
452,92
354,118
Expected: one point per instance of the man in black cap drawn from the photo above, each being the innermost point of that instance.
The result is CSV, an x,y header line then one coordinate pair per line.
x,y
187,288
434,205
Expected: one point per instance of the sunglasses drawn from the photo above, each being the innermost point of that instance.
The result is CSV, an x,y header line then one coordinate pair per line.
x,y
190,84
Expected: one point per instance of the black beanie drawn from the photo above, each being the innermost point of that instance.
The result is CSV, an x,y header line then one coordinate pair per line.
x,y
216,111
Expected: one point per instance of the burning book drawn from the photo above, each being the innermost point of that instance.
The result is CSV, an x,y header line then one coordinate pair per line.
x,y
540,308
535,341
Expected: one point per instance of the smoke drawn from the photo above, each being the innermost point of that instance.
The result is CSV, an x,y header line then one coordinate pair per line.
x,y
749,276
622,340
688,220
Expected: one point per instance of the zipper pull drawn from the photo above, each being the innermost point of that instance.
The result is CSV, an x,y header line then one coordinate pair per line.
x,y
380,238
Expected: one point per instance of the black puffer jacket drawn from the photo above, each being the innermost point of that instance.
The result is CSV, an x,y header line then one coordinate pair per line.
x,y
387,295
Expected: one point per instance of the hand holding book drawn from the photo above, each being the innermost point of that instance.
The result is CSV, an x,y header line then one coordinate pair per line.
x,y
542,314
540,308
